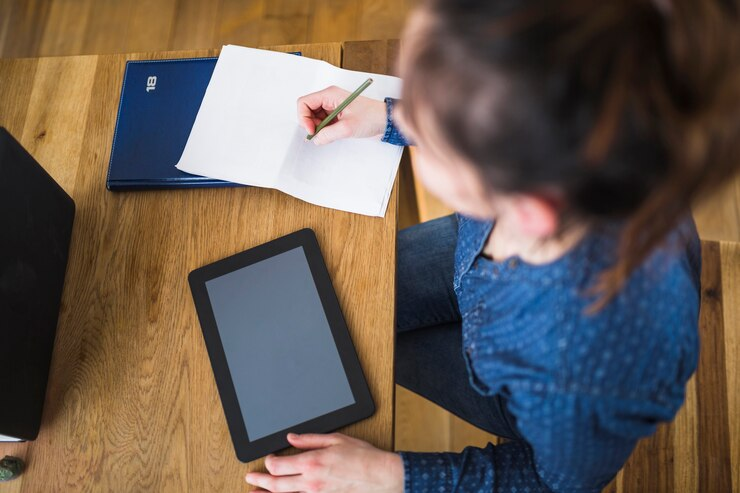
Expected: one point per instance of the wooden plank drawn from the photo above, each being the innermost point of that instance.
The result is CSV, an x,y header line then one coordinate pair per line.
x,y
718,216
6,12
381,19
713,423
614,486
334,20
107,29
650,467
240,23
25,28
56,115
288,8
464,434
195,24
374,56
730,254
284,30
150,25
65,27
104,26
285,22
15,97
421,425
685,442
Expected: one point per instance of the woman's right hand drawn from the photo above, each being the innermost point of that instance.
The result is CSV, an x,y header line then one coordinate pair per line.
x,y
364,117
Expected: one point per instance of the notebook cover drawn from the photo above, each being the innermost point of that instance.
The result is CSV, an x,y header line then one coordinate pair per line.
x,y
159,102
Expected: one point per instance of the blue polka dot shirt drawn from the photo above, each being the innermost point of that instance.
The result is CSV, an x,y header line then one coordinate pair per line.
x,y
583,388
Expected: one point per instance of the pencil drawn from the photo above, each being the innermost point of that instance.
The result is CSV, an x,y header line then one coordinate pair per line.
x,y
344,104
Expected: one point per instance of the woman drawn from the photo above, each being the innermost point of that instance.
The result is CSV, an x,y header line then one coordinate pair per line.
x,y
559,307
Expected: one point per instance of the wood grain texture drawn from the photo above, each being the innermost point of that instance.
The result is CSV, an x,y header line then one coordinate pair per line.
x,y
107,27
376,56
31,28
240,23
23,27
6,12
65,27
150,26
332,19
421,425
132,403
463,434
377,17
718,216
195,24
285,21
730,254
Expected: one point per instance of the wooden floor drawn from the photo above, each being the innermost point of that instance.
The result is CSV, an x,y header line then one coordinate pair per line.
x,y
700,451
30,28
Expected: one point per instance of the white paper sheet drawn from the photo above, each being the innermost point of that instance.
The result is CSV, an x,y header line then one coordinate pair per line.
x,y
247,132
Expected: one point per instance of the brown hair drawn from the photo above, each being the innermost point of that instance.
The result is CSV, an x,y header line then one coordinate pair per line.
x,y
629,108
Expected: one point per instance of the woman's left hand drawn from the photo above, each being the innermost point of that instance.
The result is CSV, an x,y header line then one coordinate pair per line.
x,y
334,462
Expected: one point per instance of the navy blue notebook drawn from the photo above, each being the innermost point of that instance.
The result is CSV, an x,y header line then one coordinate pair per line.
x,y
159,102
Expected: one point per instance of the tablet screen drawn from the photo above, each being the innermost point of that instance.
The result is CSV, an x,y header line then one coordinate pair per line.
x,y
278,344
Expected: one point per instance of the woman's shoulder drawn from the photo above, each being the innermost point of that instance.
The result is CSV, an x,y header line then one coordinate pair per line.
x,y
644,342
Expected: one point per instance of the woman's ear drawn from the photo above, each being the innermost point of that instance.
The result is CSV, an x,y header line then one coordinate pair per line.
x,y
536,216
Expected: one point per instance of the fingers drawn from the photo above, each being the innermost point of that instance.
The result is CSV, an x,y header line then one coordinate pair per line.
x,y
312,107
286,465
318,105
339,130
315,440
275,484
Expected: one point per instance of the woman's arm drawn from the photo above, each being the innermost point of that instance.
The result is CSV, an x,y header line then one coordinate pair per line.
x,y
493,468
365,117
574,444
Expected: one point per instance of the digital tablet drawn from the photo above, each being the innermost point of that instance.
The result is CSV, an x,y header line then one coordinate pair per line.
x,y
281,353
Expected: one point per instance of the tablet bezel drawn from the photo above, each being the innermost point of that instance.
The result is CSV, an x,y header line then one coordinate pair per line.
x,y
364,407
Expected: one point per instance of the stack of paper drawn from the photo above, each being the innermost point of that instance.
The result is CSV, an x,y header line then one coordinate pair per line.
x,y
247,132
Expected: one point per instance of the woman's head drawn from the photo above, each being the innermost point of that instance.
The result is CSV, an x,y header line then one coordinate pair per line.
x,y
588,111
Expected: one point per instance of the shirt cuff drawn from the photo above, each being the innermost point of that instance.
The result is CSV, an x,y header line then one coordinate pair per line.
x,y
392,135
425,472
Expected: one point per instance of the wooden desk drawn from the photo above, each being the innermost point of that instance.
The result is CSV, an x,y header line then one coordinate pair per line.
x,y
132,404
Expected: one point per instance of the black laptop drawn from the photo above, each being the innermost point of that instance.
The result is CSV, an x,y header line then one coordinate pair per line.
x,y
35,229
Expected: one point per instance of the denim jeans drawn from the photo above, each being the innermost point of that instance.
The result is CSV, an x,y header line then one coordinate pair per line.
x,y
429,358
